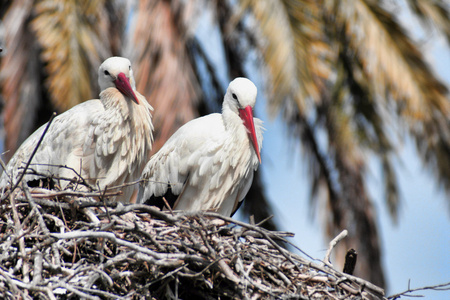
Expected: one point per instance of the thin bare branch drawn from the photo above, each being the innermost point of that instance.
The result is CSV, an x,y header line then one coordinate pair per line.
x,y
31,158
332,244
407,293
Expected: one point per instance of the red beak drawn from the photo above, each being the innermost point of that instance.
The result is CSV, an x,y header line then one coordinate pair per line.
x,y
123,85
246,115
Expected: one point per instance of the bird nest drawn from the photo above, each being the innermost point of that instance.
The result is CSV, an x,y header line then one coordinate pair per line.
x,y
66,244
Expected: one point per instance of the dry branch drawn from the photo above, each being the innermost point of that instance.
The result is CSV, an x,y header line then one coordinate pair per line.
x,y
332,244
61,244
407,293
19,180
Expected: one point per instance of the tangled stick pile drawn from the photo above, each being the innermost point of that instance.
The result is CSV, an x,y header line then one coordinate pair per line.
x,y
61,245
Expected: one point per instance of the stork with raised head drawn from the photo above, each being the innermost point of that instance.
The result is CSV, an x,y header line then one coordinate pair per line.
x,y
107,141
208,163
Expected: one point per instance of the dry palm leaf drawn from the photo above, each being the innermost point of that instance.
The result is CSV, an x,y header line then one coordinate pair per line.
x,y
73,36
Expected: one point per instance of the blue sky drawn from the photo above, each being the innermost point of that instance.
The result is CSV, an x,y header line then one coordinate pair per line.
x,y
416,250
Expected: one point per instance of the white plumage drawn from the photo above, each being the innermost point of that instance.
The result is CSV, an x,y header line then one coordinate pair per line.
x,y
106,139
208,163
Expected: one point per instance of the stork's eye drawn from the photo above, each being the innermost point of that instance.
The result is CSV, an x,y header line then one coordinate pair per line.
x,y
129,68
234,96
106,73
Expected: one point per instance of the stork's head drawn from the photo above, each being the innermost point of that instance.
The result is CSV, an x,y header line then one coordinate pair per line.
x,y
241,98
116,72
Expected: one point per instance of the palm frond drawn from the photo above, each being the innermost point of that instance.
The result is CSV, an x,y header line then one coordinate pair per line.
x,y
351,209
400,78
392,62
20,76
367,121
73,36
297,59
291,34
164,72
431,13
391,187
433,144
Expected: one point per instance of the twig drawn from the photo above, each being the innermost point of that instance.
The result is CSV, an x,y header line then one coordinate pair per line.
x,y
164,277
91,216
265,220
10,281
33,205
100,293
103,200
2,163
167,205
77,292
19,231
43,193
272,234
438,287
145,208
58,178
37,273
332,244
110,236
360,281
31,157
206,268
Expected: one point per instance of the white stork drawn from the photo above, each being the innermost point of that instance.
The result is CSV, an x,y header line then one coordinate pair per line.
x,y
208,163
107,141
